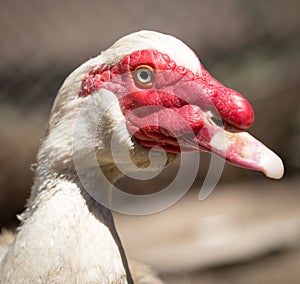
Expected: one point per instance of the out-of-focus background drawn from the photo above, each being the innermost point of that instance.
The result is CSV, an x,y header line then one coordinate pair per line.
x,y
248,230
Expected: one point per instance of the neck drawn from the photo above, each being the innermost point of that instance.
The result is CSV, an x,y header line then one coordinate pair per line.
x,y
66,235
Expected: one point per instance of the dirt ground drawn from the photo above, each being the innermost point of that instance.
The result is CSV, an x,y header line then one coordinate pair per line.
x,y
240,234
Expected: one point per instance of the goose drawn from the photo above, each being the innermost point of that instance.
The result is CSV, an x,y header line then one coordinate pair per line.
x,y
150,94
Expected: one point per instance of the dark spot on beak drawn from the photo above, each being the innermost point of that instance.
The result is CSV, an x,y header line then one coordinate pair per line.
x,y
217,121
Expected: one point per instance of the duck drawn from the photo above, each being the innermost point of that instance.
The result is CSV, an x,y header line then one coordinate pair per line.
x,y
137,105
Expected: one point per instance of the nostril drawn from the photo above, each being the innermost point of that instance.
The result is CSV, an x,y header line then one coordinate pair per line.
x,y
217,121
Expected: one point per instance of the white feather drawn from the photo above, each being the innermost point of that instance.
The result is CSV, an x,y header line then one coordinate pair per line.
x,y
61,240
175,48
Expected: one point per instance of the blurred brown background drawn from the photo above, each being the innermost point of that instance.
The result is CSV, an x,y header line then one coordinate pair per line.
x,y
248,230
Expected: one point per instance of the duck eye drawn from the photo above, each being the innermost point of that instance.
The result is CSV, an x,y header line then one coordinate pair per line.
x,y
144,76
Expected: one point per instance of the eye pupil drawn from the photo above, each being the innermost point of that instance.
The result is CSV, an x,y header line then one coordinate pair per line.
x,y
144,75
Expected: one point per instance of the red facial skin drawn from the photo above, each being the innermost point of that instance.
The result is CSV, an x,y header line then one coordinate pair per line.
x,y
172,113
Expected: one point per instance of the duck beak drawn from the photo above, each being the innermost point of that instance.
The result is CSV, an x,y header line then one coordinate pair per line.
x,y
229,138
240,148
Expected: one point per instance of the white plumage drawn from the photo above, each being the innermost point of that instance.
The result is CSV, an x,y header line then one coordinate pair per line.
x,y
63,237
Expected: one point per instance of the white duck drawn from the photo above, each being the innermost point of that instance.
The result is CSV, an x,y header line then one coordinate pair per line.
x,y
66,236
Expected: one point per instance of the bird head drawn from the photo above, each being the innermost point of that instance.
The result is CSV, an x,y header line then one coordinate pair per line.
x,y
164,99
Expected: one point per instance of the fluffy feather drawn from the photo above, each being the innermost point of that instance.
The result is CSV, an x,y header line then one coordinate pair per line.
x,y
64,236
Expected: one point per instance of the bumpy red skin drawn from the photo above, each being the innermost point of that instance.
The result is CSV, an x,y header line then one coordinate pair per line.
x,y
174,106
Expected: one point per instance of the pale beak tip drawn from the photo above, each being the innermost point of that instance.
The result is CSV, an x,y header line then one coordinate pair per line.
x,y
272,166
